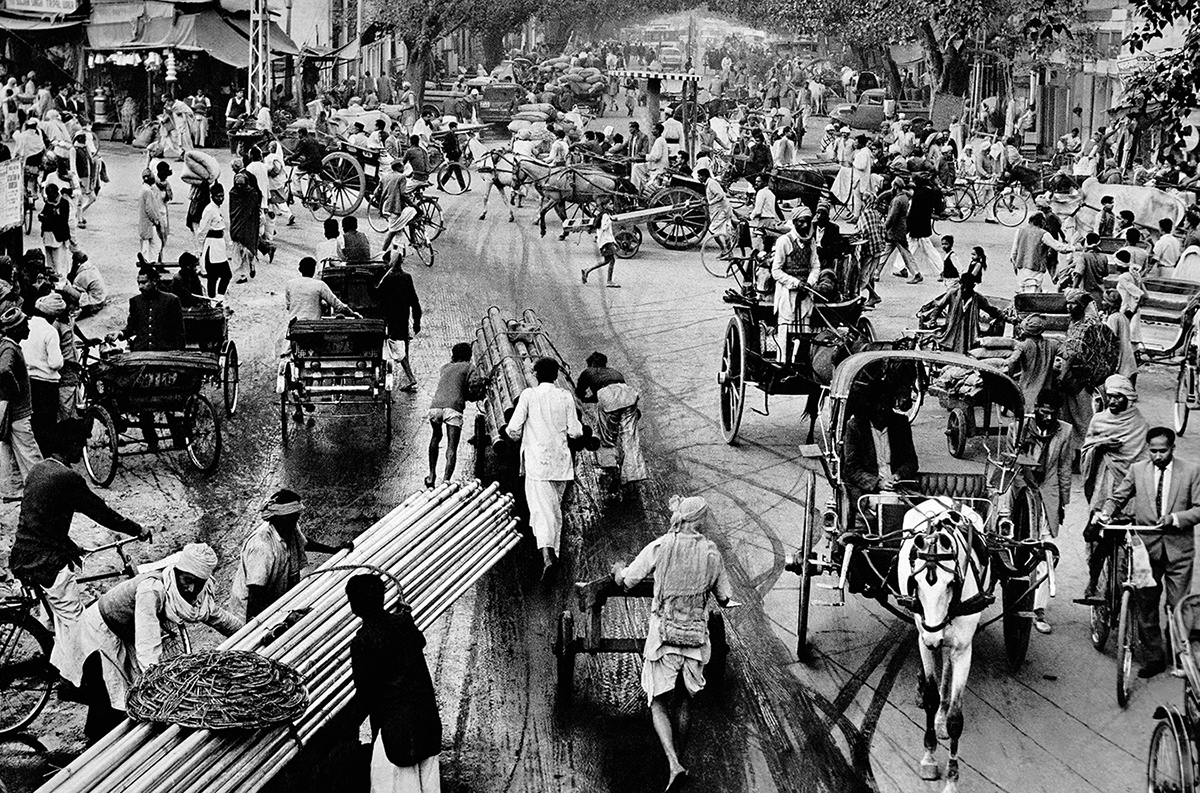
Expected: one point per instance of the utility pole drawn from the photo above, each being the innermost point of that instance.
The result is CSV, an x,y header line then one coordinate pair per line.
x,y
259,89
358,32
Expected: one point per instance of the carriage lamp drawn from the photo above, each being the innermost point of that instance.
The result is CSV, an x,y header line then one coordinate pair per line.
x,y
1005,526
830,519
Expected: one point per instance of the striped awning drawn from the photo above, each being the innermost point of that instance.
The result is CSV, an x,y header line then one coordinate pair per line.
x,y
646,74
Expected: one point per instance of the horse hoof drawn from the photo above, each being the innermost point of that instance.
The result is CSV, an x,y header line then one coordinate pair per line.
x,y
483,216
930,772
512,220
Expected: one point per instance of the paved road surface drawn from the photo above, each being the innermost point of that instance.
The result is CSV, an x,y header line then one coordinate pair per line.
x,y
847,721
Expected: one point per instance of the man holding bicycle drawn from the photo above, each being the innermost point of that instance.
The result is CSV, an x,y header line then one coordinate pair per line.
x,y
1165,494
44,556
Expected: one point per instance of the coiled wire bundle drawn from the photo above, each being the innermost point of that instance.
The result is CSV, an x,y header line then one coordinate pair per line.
x,y
219,690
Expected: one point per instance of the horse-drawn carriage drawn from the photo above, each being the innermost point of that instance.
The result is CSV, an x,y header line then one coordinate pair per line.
x,y
150,391
343,366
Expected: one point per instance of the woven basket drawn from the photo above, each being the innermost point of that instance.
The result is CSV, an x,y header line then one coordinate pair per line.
x,y
219,691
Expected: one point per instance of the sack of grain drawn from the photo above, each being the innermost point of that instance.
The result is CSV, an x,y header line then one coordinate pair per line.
x,y
202,165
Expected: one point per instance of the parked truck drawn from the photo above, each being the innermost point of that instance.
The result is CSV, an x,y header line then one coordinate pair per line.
x,y
874,107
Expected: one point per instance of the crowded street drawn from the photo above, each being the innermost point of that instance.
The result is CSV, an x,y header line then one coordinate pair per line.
x,y
823,688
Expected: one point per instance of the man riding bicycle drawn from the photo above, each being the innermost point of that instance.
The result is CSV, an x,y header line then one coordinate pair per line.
x,y
306,158
395,204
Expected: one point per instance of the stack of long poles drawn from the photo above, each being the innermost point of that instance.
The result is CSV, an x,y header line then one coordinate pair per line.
x,y
437,544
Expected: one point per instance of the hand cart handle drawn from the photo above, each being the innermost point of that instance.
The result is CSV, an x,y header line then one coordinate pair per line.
x,y
845,566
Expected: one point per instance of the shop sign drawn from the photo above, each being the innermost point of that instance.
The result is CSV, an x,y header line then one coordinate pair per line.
x,y
12,194
42,6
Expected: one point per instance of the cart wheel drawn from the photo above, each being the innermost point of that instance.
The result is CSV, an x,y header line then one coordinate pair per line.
x,y
100,453
564,649
686,225
230,373
629,242
345,183
1125,648
1184,397
450,183
1171,765
865,329
714,670
958,429
732,379
202,433
807,539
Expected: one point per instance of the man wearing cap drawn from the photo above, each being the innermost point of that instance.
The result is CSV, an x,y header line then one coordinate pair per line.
x,y
720,212
42,350
155,317
272,557
1163,491
794,265
1126,220
1106,222
1132,292
827,236
43,554
55,219
1091,268
122,634
544,418
1031,363
359,137
408,106
688,574
152,218
16,408
873,252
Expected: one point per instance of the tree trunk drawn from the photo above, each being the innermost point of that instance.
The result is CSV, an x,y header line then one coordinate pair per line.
x,y
415,71
493,46
891,72
934,51
956,72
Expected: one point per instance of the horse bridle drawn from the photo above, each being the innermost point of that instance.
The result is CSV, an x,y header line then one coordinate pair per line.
x,y
933,561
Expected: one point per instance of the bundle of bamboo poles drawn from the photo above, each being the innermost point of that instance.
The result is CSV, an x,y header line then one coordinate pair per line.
x,y
504,352
437,544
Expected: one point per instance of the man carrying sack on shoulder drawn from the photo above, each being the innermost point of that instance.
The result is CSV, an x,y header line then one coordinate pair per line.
x,y
687,569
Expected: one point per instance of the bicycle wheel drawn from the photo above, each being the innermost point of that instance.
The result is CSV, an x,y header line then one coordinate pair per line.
x,y
435,223
718,264
378,221
1125,648
1101,615
1184,396
449,182
317,200
1170,767
422,247
230,371
26,677
1011,207
100,451
202,433
962,204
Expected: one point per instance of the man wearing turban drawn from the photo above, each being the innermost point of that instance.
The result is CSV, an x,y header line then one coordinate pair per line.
x,y
272,557
793,267
1032,359
688,572
125,632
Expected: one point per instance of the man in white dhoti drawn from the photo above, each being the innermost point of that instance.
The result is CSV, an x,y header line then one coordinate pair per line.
x,y
544,418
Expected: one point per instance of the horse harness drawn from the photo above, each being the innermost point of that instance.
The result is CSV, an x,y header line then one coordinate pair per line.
x,y
925,551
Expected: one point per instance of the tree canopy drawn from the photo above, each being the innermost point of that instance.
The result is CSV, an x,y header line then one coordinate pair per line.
x,y
1173,78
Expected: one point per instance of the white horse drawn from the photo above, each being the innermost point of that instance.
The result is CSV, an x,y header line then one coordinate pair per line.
x,y
501,167
946,581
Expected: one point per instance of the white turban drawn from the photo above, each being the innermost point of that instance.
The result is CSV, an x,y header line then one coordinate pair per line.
x,y
690,510
801,211
1119,384
198,559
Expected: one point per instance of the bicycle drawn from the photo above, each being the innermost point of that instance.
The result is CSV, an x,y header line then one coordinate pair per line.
x,y
1115,609
27,679
443,178
1187,390
429,211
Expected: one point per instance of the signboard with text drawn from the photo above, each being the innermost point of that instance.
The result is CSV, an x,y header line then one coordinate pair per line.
x,y
42,6
12,194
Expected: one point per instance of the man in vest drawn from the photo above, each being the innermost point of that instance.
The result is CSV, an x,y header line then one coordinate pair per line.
x,y
687,569
1030,252
793,267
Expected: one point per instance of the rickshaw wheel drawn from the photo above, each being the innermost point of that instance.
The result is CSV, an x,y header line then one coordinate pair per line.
x,y
958,430
100,452
866,329
1170,766
1183,389
807,531
564,650
686,226
1017,592
629,242
1125,648
202,433
345,183
230,373
732,379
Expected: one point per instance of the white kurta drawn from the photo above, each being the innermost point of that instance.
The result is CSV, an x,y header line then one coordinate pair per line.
x,y
212,248
790,305
544,417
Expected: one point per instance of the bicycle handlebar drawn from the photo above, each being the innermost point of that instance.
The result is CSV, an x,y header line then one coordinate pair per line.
x,y
115,544
1131,527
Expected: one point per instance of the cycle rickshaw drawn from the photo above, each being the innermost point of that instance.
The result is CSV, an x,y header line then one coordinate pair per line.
x,y
149,392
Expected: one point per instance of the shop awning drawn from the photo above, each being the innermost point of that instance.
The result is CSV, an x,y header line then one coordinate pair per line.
x,y
33,24
228,40
281,43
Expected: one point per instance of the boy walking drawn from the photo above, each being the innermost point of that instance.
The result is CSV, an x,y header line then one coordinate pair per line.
x,y
606,241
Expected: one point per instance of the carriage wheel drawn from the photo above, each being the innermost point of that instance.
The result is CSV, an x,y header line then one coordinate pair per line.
x,y
202,433
865,329
959,425
1125,648
230,373
1170,766
564,650
807,540
28,678
378,221
1184,390
686,225
435,222
345,183
1017,591
629,241
732,379
100,453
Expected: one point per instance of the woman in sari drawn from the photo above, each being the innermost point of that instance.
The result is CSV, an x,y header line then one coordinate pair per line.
x,y
617,417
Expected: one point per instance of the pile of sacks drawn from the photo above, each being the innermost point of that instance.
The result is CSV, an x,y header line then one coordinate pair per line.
x,y
539,111
993,349
959,381
562,77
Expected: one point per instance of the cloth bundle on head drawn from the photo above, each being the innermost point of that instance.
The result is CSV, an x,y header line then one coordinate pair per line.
x,y
1033,325
283,503
1119,384
691,510
51,305
198,559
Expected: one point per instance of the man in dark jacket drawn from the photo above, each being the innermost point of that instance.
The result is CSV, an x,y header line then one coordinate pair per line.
x,y
392,679
870,468
43,554
16,408
155,317
397,296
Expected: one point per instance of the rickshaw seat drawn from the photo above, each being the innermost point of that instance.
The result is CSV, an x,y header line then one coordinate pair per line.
x,y
844,314
953,485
